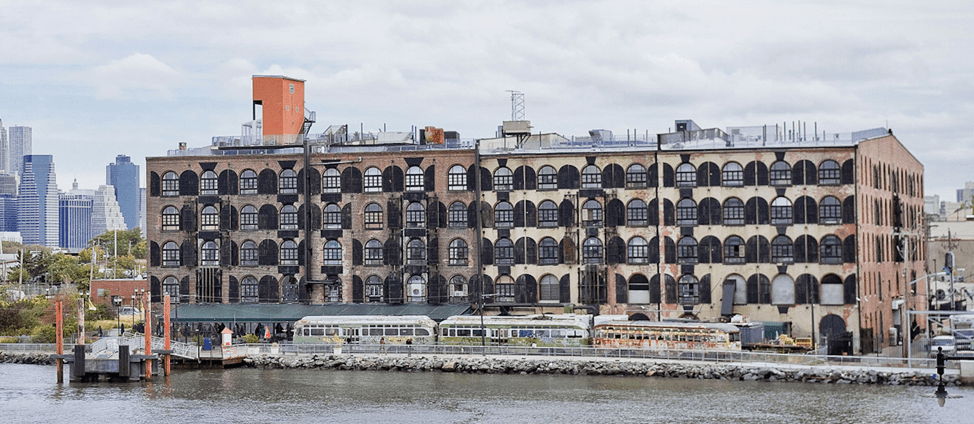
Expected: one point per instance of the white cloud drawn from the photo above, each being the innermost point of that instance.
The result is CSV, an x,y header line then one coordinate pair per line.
x,y
138,75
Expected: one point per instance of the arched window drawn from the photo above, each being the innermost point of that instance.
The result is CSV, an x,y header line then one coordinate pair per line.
x,y
288,182
686,175
550,289
289,289
457,178
592,251
331,217
289,252
416,289
208,183
416,252
780,173
248,182
831,249
373,217
733,211
373,289
414,179
734,250
210,254
732,175
781,211
248,253
689,290
170,254
829,173
638,251
637,213
458,288
504,215
504,287
591,177
289,217
592,214
373,253
782,290
331,181
638,289
170,184
686,252
415,215
170,286
740,288
503,179
210,218
686,212
373,180
636,176
782,250
548,251
504,252
332,253
547,214
832,290
170,219
457,217
248,218
830,210
458,252
547,178
249,290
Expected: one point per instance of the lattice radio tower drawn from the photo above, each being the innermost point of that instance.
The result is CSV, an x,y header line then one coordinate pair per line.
x,y
517,105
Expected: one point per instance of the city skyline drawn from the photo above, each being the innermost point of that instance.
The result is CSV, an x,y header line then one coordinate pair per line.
x,y
618,65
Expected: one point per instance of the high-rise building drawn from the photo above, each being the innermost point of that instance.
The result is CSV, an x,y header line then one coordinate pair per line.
x,y
75,218
8,184
105,215
18,145
4,149
38,201
124,176
8,213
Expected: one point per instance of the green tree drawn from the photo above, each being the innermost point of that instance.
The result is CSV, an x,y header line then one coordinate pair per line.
x,y
129,242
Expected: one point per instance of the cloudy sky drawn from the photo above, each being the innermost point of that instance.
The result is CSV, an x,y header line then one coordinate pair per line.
x,y
99,78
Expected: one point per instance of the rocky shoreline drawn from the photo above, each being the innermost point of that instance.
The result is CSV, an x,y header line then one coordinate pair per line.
x,y
32,358
525,366
479,365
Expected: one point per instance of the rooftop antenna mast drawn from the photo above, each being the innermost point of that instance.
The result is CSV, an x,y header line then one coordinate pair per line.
x,y
517,105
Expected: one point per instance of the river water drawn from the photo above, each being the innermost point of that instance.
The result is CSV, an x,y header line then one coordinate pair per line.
x,y
29,393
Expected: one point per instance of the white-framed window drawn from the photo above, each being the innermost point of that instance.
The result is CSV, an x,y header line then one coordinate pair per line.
x,y
331,181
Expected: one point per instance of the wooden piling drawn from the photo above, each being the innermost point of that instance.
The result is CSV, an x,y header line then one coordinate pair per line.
x,y
59,338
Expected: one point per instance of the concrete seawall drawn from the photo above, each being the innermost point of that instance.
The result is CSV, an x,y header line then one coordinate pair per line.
x,y
577,366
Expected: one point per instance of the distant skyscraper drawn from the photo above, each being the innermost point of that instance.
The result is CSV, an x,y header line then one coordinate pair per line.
x,y
75,218
105,214
124,176
4,149
19,145
38,201
8,213
8,184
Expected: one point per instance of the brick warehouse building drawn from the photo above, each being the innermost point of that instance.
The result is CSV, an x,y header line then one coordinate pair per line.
x,y
695,224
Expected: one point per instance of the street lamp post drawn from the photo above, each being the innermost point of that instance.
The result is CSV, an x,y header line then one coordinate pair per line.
x,y
117,301
483,329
